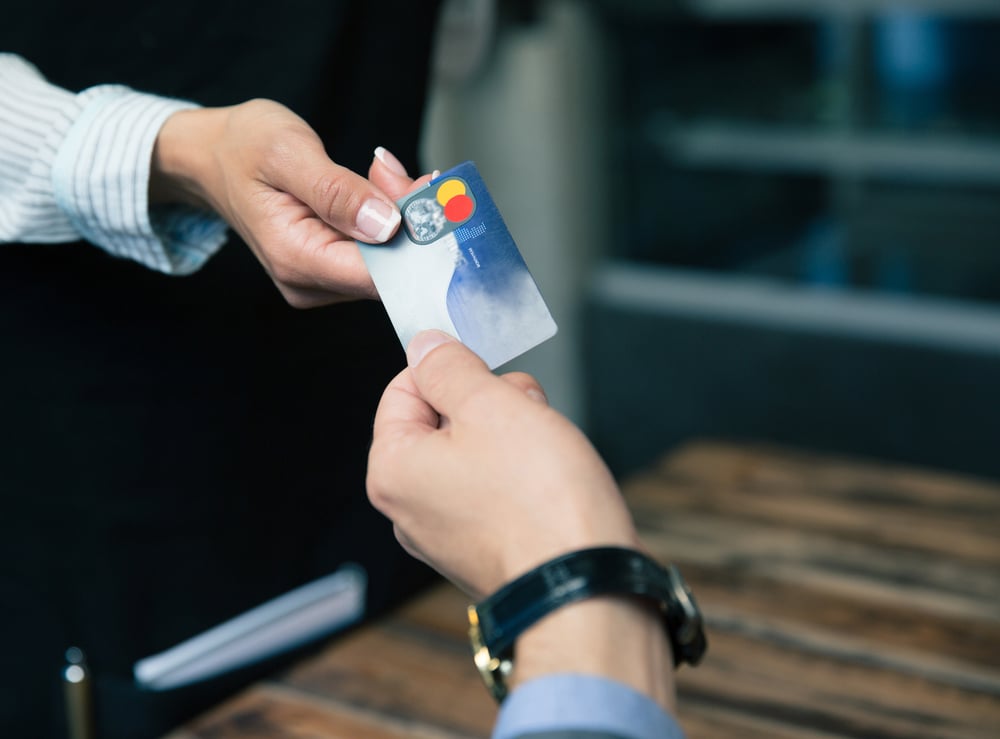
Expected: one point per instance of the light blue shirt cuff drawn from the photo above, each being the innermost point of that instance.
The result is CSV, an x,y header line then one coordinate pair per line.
x,y
583,702
187,236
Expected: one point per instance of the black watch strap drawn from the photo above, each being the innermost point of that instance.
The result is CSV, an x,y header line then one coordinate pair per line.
x,y
497,621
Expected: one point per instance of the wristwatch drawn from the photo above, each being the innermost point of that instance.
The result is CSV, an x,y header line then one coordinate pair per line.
x,y
495,623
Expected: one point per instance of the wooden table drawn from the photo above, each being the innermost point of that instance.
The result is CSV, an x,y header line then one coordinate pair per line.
x,y
843,599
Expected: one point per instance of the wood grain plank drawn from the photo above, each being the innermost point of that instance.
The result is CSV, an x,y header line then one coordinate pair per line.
x,y
804,691
882,623
268,712
876,572
441,611
894,506
401,669
706,721
726,464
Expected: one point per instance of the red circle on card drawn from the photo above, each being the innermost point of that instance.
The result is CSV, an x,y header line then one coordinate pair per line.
x,y
458,208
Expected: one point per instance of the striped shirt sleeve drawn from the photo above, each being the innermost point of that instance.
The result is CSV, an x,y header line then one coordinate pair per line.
x,y
77,166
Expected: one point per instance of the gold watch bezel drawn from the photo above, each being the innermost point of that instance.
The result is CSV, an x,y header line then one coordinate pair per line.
x,y
493,670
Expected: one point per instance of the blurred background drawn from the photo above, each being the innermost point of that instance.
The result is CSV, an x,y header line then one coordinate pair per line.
x,y
769,220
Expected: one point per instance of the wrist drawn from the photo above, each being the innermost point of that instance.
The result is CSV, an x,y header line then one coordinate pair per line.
x,y
585,522
615,637
183,157
604,610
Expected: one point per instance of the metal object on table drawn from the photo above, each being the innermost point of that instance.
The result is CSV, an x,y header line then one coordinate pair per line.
x,y
77,692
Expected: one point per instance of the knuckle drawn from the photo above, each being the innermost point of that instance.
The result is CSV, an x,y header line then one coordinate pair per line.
x,y
434,384
374,483
297,300
277,153
282,274
334,192
288,281
481,403
255,107
406,542
386,459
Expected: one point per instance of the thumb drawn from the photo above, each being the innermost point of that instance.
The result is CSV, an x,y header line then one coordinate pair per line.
x,y
342,198
447,374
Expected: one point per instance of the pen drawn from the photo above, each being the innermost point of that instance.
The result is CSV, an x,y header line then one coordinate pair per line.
x,y
76,688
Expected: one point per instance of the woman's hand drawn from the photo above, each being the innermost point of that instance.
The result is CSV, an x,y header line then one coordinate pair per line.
x,y
265,171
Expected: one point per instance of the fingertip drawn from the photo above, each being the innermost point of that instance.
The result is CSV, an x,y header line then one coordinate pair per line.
x,y
448,374
527,385
422,181
378,220
390,161
424,343
537,394
389,180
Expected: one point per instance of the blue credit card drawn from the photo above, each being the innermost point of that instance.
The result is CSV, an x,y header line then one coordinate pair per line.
x,y
454,266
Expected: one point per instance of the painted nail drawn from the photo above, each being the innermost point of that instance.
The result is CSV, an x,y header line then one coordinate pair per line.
x,y
377,220
435,174
389,160
423,343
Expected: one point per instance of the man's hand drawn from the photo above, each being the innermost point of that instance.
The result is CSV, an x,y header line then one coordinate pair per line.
x,y
265,171
483,481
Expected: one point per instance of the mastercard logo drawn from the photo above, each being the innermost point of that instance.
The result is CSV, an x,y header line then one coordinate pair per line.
x,y
437,211
453,196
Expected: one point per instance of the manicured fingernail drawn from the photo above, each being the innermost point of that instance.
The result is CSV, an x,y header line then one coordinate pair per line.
x,y
423,343
377,220
389,160
435,174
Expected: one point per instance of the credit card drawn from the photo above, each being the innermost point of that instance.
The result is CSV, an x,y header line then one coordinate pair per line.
x,y
454,266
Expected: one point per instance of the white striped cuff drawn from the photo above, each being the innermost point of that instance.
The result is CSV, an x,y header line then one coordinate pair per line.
x,y
100,178
34,119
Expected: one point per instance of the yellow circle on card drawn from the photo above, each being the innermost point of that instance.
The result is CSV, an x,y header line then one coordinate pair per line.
x,y
449,189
